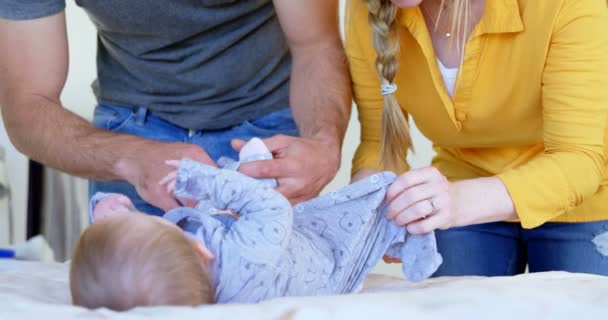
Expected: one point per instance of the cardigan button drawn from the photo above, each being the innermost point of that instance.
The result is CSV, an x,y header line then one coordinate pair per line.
x,y
461,115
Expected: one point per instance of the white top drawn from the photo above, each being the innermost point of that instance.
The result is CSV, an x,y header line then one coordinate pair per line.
x,y
449,77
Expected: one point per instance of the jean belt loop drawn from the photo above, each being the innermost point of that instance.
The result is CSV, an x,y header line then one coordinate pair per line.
x,y
140,116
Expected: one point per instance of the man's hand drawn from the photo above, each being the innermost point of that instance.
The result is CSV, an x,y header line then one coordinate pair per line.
x,y
320,98
302,166
146,166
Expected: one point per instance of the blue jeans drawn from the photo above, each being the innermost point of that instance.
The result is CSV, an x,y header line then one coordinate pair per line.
x,y
216,143
502,248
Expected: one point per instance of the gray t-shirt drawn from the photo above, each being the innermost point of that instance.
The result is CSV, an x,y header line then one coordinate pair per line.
x,y
200,64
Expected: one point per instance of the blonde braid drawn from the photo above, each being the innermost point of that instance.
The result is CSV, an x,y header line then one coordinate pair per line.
x,y
396,138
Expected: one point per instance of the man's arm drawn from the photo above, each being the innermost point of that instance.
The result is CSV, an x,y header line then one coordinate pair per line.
x,y
320,98
320,83
33,70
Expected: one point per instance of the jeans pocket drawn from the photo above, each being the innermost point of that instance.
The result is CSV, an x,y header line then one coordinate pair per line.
x,y
277,122
112,118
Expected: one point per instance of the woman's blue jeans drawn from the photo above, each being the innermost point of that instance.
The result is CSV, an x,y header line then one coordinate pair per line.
x,y
503,248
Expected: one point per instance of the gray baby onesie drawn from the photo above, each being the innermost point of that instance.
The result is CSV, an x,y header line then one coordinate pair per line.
x,y
327,246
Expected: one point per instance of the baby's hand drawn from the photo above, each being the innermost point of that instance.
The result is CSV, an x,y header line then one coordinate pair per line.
x,y
169,182
389,259
112,204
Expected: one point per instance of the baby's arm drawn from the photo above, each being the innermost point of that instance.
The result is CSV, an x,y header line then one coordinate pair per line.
x,y
265,221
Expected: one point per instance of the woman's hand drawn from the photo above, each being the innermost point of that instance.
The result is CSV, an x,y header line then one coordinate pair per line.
x,y
424,200
420,199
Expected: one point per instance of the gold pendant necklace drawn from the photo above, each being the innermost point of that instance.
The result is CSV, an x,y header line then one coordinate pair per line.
x,y
446,34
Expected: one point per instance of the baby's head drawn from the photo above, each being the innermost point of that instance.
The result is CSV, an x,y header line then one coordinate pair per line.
x,y
131,259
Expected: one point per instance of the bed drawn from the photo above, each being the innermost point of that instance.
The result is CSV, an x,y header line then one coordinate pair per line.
x,y
31,290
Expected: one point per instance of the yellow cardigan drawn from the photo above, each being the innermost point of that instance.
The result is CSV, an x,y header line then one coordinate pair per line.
x,y
530,105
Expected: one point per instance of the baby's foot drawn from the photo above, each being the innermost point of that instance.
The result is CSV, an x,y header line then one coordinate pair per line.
x,y
112,204
420,257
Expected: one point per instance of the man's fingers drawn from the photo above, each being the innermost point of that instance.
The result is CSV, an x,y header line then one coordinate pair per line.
x,y
264,169
165,202
203,157
277,142
172,163
290,193
187,202
237,144
294,195
168,178
171,187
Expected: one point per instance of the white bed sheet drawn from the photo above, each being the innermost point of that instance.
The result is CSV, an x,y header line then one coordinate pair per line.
x,y
40,291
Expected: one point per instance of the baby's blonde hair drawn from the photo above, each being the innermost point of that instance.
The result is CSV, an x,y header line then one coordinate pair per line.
x,y
120,265
395,139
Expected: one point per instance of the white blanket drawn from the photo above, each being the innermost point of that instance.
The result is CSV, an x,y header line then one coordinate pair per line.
x,y
40,291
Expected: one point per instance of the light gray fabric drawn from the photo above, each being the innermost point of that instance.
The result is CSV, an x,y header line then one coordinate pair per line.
x,y
64,208
327,246
199,64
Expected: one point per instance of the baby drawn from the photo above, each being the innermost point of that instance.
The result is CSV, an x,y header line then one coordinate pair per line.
x,y
129,259
327,246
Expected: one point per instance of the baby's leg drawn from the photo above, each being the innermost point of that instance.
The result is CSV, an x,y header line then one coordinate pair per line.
x,y
112,204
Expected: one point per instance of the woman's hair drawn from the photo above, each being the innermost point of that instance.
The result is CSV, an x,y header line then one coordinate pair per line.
x,y
120,264
396,139
459,20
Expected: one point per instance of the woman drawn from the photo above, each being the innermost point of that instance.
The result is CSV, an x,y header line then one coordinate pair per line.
x,y
514,96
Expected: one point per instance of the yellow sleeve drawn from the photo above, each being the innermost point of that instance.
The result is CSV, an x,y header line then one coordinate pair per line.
x,y
575,110
366,85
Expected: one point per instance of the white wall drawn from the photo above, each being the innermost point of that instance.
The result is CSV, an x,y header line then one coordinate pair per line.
x,y
16,167
79,98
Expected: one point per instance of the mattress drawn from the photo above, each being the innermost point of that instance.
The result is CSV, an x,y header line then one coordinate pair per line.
x,y
30,290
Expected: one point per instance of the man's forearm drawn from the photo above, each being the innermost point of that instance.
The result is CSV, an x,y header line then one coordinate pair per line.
x,y
33,69
50,134
321,92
